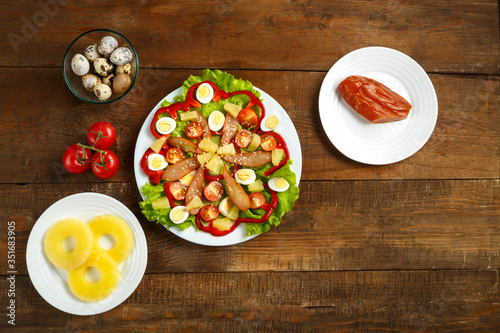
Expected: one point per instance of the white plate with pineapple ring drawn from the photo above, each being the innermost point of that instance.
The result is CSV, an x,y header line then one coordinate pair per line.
x,y
51,282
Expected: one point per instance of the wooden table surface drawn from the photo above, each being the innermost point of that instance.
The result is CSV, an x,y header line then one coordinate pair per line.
x,y
411,246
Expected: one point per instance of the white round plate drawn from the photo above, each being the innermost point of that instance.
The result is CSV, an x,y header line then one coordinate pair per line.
x,y
285,128
51,282
385,143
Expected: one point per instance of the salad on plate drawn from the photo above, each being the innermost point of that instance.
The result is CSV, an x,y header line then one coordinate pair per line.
x,y
217,161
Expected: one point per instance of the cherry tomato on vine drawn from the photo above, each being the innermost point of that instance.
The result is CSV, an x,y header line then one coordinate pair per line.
x,y
174,155
77,159
268,142
194,130
105,165
257,200
213,191
248,117
209,213
101,135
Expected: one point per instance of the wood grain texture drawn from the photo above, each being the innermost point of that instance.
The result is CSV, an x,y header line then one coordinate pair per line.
x,y
409,301
467,125
333,226
312,35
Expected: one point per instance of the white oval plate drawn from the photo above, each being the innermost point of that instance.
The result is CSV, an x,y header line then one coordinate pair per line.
x,y
385,143
285,128
51,282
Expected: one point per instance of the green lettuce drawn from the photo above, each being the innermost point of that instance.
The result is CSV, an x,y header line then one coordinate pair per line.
x,y
286,200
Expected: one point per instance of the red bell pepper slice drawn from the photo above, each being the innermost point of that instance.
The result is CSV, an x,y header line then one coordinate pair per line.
x,y
166,188
268,207
171,109
281,144
191,100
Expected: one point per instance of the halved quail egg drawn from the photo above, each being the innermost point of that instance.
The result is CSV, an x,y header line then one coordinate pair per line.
x,y
245,176
278,184
269,123
204,93
179,214
165,125
216,120
157,162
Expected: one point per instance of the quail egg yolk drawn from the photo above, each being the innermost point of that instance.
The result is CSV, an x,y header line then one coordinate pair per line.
x,y
280,183
272,122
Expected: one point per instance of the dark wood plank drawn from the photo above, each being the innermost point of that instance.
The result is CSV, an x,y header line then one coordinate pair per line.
x,y
468,125
409,301
333,226
311,35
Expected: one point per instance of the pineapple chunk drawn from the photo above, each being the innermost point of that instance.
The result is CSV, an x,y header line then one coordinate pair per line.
x,y
205,157
195,203
233,109
254,142
233,213
187,116
227,149
116,227
214,164
222,224
91,291
158,144
161,203
55,237
277,155
208,145
256,186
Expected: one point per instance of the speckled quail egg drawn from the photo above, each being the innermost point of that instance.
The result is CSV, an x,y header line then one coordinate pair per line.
x,y
91,53
124,69
216,120
90,81
225,206
103,66
165,125
121,56
102,91
269,123
108,80
179,214
157,162
204,93
80,64
278,184
121,83
245,176
107,45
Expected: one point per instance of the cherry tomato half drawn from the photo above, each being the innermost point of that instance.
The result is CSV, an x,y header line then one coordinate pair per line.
x,y
75,160
257,199
268,142
178,190
101,135
243,138
248,117
194,130
105,165
213,191
174,155
209,213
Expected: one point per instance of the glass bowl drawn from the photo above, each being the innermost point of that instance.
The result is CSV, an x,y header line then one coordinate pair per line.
x,y
79,45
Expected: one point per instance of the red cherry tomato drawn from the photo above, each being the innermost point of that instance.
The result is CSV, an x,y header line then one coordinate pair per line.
x,y
101,135
209,213
194,130
243,138
75,160
105,165
257,199
248,117
174,155
268,142
178,190
213,191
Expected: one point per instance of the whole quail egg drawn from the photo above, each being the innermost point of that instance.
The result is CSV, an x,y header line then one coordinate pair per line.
x,y
121,56
90,81
91,53
124,69
80,64
108,80
121,83
107,45
102,91
103,66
